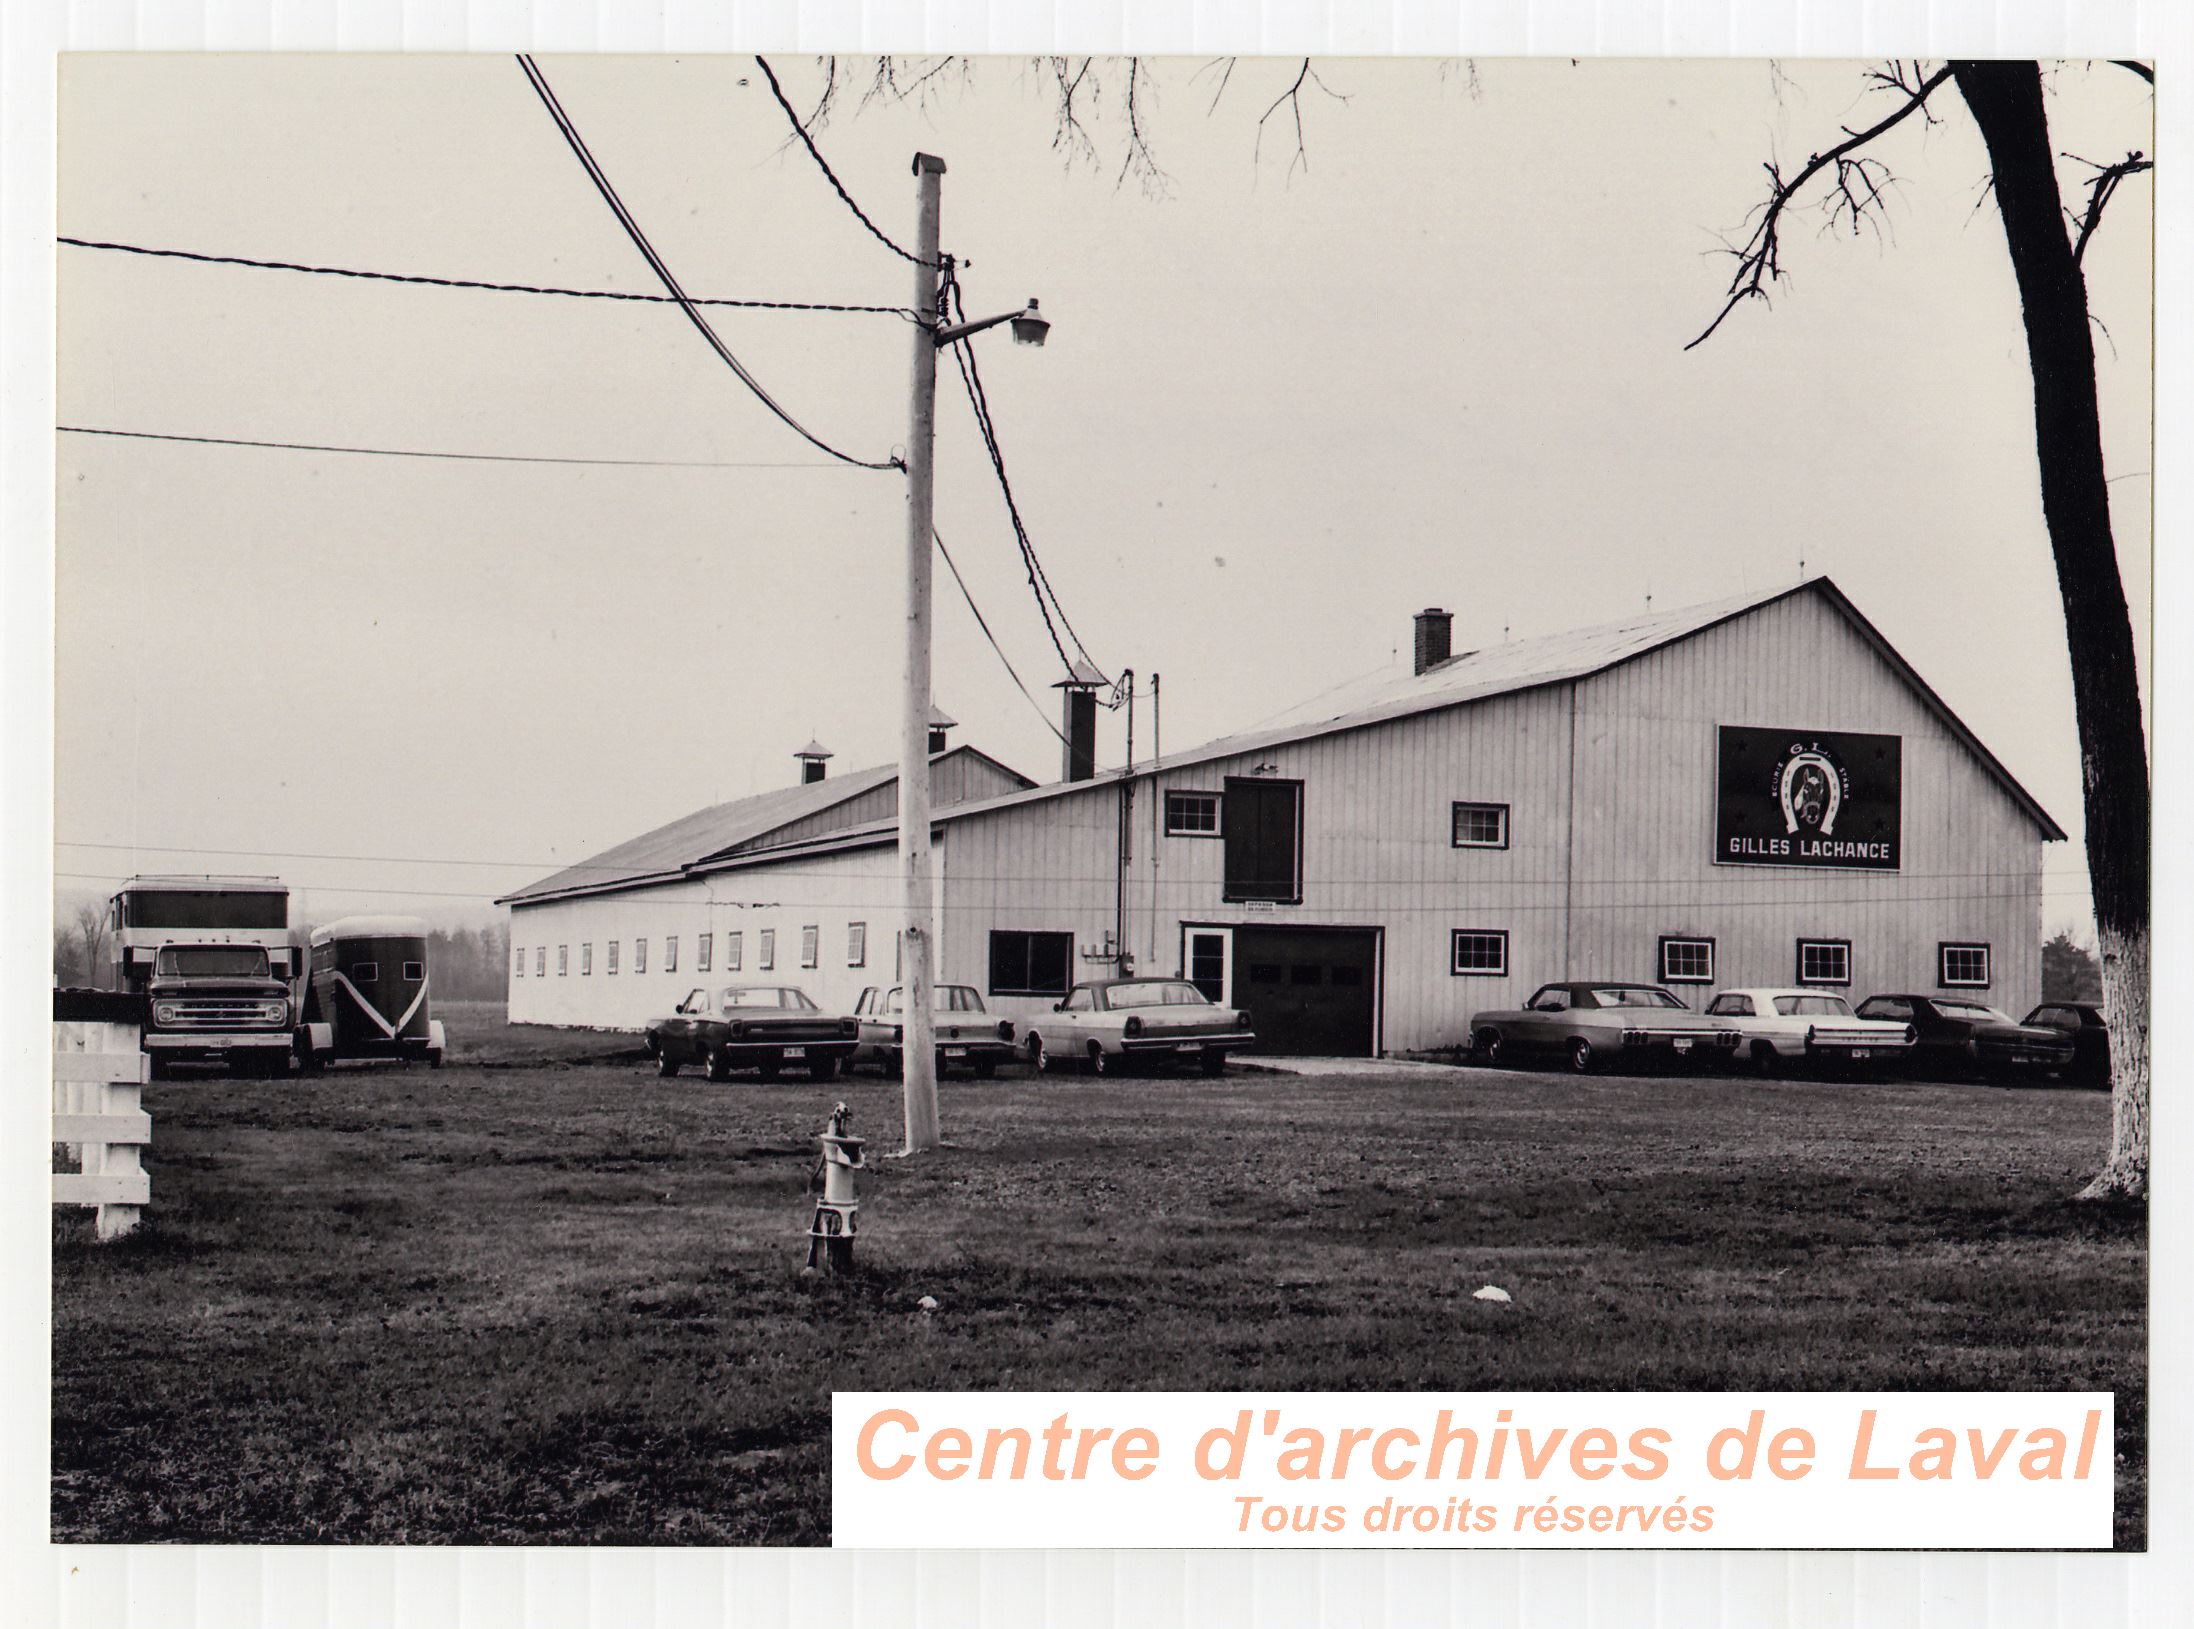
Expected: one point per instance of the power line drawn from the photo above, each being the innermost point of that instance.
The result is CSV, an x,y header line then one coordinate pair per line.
x,y
829,174
475,283
993,638
418,452
655,262
1039,582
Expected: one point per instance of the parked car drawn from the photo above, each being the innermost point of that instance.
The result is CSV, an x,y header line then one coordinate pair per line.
x,y
966,1032
1962,1038
2083,1021
1102,1023
751,1026
1594,1024
1807,1028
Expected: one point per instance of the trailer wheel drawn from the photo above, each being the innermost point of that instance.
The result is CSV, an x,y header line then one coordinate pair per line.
x,y
434,1057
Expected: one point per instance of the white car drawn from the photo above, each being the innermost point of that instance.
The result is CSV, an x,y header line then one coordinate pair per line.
x,y
1107,1022
1814,1027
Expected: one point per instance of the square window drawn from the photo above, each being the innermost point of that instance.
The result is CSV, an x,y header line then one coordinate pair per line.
x,y
732,952
766,957
586,960
414,972
1478,952
1963,967
811,946
639,955
1687,961
365,972
670,953
857,944
1824,961
1479,825
704,946
1192,814
1031,963
612,968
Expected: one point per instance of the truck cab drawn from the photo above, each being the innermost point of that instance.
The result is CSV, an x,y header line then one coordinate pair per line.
x,y
219,1004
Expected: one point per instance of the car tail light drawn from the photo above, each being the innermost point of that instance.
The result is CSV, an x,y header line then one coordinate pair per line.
x,y
898,1032
1134,1026
1005,1029
1912,1035
1241,1018
847,1026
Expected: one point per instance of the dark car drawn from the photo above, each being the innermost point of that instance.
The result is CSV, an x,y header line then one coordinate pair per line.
x,y
2083,1021
1595,1023
751,1026
1963,1038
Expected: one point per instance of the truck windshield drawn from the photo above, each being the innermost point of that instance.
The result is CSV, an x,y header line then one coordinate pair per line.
x,y
211,962
204,908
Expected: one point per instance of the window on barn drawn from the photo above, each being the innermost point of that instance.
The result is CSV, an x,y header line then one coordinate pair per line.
x,y
1963,967
612,968
734,950
1264,840
766,957
563,961
670,953
857,944
1192,814
1479,825
704,946
540,961
811,946
1824,961
520,970
1031,963
639,955
1687,961
586,960
1478,952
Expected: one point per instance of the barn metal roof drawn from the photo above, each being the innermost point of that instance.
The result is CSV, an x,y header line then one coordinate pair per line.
x,y
1496,670
670,851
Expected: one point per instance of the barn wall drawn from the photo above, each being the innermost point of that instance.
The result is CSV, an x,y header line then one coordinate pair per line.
x,y
829,892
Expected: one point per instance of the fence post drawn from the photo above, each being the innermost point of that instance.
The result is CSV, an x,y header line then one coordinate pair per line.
x,y
99,1070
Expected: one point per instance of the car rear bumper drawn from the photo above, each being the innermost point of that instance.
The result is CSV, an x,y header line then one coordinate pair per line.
x,y
1231,1040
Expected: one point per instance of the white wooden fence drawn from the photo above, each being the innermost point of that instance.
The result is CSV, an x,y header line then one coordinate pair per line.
x,y
98,1071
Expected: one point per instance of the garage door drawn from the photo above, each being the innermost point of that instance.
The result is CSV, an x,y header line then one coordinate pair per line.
x,y
1309,991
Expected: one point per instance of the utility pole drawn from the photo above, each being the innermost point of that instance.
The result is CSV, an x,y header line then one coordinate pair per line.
x,y
918,1049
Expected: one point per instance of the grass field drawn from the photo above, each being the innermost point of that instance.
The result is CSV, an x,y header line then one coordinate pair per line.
x,y
542,1296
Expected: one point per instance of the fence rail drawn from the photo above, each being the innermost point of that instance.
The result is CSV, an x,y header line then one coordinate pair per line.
x,y
99,1071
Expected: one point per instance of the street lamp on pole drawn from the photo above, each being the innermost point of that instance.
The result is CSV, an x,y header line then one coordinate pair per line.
x,y
918,1043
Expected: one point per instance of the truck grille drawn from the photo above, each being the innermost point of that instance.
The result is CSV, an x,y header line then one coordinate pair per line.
x,y
210,1015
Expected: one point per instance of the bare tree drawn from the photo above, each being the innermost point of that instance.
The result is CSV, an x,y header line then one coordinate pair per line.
x,y
87,932
2046,243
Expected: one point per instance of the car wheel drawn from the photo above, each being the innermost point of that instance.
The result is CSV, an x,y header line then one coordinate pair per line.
x,y
822,1068
1214,1061
719,1063
1489,1047
1038,1059
1099,1064
1764,1060
1580,1056
665,1065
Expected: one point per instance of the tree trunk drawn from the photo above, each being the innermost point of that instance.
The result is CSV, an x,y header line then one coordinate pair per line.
x,y
2006,102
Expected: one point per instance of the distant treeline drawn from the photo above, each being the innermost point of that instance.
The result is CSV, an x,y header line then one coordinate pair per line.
x,y
462,964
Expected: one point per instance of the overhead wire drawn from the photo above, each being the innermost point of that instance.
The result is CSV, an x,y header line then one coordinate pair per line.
x,y
670,283
421,452
977,612
906,312
800,129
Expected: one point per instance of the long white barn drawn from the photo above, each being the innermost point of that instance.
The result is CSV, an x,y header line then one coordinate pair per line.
x,y
1757,791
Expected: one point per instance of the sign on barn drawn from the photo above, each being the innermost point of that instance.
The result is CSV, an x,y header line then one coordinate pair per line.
x,y
1825,798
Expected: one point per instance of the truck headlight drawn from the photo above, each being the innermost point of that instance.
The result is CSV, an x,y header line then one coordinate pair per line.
x,y
165,1012
274,1012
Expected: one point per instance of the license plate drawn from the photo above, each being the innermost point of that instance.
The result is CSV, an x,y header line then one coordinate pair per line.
x,y
1861,1052
955,1051
1683,1046
1187,1046
796,1051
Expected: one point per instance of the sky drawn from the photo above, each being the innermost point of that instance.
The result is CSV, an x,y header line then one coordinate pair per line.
x,y
1435,359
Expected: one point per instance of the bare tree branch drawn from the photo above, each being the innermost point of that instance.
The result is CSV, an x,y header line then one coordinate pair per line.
x,y
1225,65
2099,191
1071,138
1292,99
1138,160
1857,193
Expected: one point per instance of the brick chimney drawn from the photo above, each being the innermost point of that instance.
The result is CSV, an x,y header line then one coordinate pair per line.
x,y
1435,628
1079,723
